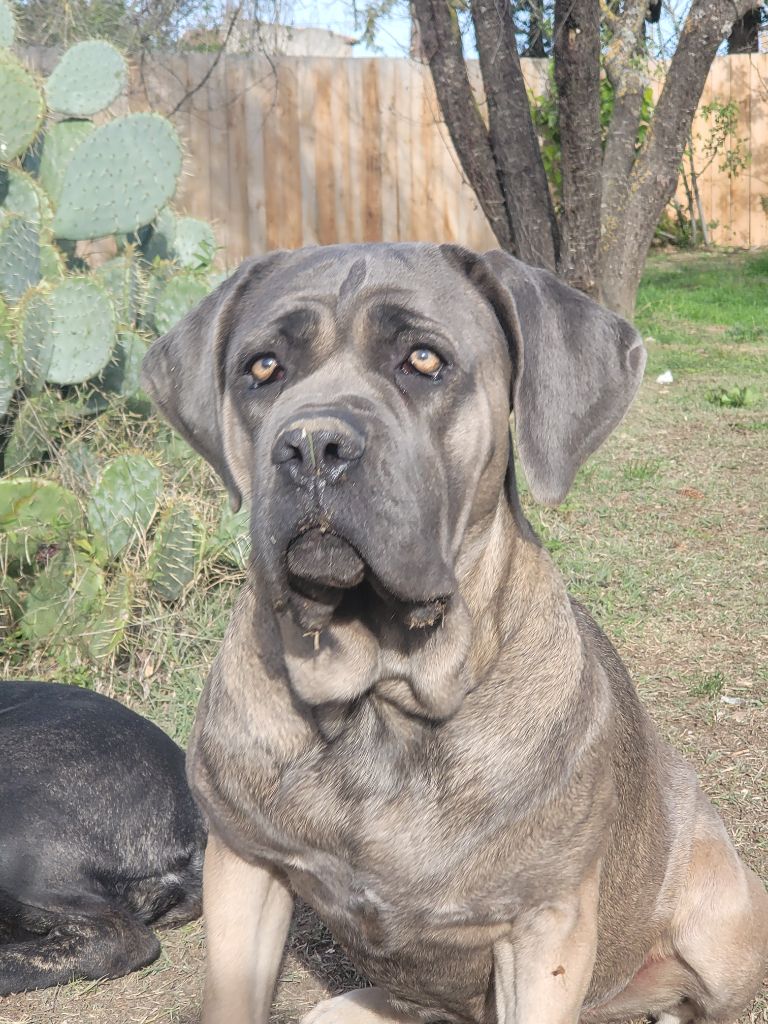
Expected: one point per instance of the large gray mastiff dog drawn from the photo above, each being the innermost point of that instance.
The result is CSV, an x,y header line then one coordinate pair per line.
x,y
410,724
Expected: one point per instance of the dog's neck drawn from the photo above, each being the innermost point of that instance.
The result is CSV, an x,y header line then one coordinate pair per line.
x,y
510,604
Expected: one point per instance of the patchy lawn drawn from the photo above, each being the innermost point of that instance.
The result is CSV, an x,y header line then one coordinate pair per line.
x,y
664,537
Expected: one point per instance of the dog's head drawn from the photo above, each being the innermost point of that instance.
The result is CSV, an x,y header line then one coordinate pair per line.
x,y
359,396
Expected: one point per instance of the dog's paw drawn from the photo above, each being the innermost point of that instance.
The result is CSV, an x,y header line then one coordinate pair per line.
x,y
364,1006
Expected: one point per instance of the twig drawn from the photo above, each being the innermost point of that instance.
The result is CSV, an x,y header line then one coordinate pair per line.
x,y
196,88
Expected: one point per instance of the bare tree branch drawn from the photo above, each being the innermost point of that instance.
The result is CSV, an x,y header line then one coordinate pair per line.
x,y
441,44
514,144
577,75
219,54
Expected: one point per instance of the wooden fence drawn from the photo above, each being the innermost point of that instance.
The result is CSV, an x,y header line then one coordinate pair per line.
x,y
317,150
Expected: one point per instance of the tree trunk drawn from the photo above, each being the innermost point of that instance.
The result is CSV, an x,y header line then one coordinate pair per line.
x,y
577,76
655,171
441,45
514,143
535,43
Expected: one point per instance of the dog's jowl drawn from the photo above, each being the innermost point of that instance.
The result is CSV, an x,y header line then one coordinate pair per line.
x,y
410,724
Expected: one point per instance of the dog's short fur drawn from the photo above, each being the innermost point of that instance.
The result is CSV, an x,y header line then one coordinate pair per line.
x,y
99,837
410,724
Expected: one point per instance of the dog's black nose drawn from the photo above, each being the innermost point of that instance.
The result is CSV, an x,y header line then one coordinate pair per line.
x,y
318,448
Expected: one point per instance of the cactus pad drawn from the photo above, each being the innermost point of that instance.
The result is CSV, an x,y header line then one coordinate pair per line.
x,y
123,279
19,257
89,77
175,553
121,375
51,262
194,245
63,594
21,108
104,633
9,371
119,177
123,503
37,429
35,513
34,338
23,197
180,295
60,142
231,543
160,244
10,605
82,330
7,24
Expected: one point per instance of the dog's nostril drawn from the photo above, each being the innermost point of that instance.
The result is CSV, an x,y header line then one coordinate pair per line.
x,y
332,452
294,452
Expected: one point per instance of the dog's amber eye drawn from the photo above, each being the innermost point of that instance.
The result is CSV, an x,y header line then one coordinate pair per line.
x,y
425,361
265,368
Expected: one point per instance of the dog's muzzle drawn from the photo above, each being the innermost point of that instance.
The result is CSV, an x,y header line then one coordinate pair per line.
x,y
318,448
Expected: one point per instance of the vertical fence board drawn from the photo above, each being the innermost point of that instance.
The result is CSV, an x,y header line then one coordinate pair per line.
x,y
740,95
758,168
720,80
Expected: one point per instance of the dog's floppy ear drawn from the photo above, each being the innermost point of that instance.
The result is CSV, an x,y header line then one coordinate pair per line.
x,y
576,368
183,372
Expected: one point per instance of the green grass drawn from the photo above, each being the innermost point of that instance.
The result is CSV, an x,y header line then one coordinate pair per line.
x,y
664,537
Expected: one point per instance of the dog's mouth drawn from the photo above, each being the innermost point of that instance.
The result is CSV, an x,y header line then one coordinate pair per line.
x,y
327,577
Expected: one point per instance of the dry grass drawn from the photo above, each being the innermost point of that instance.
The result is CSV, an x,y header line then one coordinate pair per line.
x,y
664,537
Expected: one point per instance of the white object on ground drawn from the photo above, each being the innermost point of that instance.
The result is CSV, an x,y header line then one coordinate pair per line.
x,y
665,378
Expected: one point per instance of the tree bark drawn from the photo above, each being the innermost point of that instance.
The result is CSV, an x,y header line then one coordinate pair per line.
x,y
654,175
441,44
514,144
577,76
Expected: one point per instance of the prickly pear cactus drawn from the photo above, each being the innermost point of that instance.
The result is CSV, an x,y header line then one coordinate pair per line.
x,y
89,77
123,503
195,244
10,606
176,298
119,177
34,338
160,243
122,375
231,543
124,279
60,142
19,257
23,197
9,362
63,595
175,553
78,332
41,421
7,25
35,513
21,108
104,633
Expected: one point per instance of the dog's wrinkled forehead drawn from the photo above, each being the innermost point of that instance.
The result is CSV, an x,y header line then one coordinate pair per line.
x,y
347,285
575,365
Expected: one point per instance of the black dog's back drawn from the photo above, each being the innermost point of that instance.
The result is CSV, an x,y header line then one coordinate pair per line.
x,y
99,836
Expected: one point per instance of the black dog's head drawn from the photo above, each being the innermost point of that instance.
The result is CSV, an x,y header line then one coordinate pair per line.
x,y
359,396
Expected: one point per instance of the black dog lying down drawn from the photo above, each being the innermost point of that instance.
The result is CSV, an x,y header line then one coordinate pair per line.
x,y
99,837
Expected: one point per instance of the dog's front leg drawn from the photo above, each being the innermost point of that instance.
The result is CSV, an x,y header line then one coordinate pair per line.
x,y
247,909
543,968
